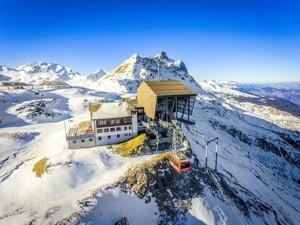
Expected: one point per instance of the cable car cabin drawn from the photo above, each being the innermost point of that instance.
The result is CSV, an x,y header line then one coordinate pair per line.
x,y
180,162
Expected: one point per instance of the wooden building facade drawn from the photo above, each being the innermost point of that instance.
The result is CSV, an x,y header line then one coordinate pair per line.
x,y
166,100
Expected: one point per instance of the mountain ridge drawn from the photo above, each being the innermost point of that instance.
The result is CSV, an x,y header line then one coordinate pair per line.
x,y
126,76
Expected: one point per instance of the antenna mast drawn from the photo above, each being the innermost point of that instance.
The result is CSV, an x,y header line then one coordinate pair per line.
x,y
158,71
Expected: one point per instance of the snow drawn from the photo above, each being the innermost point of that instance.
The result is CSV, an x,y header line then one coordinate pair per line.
x,y
41,110
248,104
72,175
13,143
201,213
111,110
247,166
255,173
112,205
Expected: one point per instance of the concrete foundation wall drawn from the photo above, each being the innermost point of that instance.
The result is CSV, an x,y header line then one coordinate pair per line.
x,y
77,143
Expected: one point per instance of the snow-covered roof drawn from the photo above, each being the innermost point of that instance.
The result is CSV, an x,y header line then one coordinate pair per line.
x,y
134,103
110,110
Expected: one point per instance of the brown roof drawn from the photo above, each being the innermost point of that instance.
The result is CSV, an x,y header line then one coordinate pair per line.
x,y
11,83
83,128
54,83
169,87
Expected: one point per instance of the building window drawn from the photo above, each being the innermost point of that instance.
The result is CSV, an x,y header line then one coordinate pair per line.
x,y
102,122
99,131
105,130
74,141
125,120
112,129
125,128
117,121
108,136
129,134
91,139
82,140
99,138
119,129
129,120
129,127
112,122
118,135
125,134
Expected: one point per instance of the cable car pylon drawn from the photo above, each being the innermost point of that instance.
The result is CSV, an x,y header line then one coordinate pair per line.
x,y
200,137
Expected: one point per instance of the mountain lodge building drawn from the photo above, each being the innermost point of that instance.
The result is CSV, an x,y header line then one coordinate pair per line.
x,y
110,123
113,122
10,85
48,85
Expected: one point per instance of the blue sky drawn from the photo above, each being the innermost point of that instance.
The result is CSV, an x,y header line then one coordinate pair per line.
x,y
256,41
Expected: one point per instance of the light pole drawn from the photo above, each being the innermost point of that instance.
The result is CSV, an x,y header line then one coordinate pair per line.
x,y
206,150
216,155
65,129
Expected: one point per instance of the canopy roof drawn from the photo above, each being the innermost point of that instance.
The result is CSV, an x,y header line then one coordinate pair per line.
x,y
169,87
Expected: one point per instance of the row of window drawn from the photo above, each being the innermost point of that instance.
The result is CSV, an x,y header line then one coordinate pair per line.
x,y
100,138
112,129
116,121
82,140
118,136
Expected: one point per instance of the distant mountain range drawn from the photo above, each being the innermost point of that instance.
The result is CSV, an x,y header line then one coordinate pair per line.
x,y
286,90
125,78
38,72
282,85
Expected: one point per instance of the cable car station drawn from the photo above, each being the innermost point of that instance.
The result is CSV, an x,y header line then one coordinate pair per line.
x,y
167,104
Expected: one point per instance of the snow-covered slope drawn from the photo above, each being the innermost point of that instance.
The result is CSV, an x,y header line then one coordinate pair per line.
x,y
259,154
70,177
89,81
275,110
96,75
256,182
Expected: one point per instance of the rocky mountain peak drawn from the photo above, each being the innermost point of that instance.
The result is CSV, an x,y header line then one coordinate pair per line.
x,y
97,75
5,68
136,69
134,56
162,56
